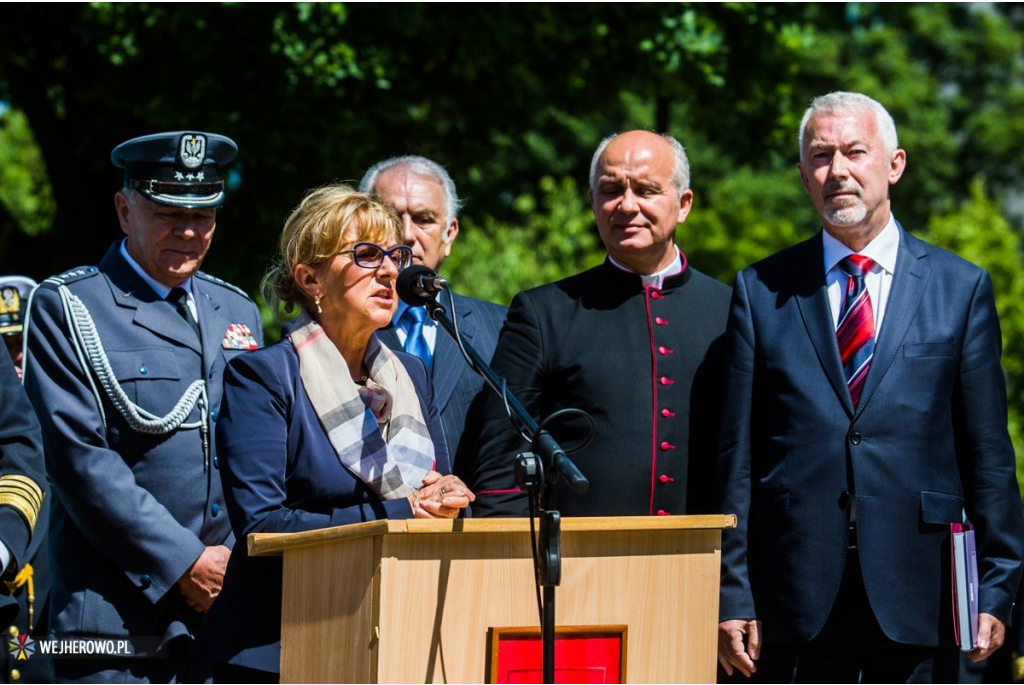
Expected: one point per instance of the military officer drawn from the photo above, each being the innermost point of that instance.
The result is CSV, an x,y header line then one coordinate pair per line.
x,y
14,294
124,362
30,586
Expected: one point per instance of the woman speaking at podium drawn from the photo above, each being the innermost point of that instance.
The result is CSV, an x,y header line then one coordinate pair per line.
x,y
327,427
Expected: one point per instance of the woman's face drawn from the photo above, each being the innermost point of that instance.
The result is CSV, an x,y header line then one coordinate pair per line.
x,y
356,298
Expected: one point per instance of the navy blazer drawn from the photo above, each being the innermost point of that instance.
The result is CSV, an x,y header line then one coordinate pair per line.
x,y
927,441
282,475
456,386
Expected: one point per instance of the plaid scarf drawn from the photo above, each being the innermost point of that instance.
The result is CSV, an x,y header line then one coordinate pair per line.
x,y
378,431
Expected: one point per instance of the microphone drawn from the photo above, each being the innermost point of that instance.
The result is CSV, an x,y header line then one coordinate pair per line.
x,y
418,284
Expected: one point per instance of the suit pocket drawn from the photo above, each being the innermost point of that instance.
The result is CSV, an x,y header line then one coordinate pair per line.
x,y
940,509
147,364
151,377
934,349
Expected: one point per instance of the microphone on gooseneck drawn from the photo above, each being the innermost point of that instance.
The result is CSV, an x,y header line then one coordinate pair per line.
x,y
418,285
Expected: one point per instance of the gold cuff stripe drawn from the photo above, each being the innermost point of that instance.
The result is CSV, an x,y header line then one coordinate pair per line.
x,y
22,494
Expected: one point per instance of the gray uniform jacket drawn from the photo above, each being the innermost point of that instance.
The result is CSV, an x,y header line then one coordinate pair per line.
x,y
131,511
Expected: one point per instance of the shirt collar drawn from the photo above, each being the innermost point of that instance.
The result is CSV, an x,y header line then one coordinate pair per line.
x,y
159,288
656,279
882,250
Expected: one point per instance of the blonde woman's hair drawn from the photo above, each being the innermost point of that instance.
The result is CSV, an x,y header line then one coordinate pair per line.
x,y
316,230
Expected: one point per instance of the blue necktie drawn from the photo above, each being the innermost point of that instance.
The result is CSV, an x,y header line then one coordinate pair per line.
x,y
415,341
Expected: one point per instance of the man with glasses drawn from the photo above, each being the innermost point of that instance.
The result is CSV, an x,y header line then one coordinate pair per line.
x,y
630,342
424,195
124,365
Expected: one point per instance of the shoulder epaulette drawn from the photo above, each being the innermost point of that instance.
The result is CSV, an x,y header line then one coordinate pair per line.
x,y
73,275
213,279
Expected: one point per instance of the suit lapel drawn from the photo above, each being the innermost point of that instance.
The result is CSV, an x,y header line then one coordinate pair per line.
x,y
149,311
212,322
448,363
812,299
908,288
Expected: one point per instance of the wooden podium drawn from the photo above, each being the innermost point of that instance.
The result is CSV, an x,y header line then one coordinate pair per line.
x,y
415,601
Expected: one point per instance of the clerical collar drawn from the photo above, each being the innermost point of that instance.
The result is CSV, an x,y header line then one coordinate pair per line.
x,y
159,288
657,279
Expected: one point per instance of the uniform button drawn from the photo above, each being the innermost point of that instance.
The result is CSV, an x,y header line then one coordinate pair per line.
x,y
668,414
143,370
214,414
662,512
655,295
216,463
665,380
13,631
667,446
15,674
145,581
664,350
215,509
855,438
660,321
666,479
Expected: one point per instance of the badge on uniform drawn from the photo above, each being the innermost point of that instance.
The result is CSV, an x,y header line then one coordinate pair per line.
x,y
239,337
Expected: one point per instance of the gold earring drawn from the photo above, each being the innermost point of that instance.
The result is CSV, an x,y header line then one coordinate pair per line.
x,y
316,301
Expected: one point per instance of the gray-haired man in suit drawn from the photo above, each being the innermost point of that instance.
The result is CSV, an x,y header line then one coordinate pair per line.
x,y
424,195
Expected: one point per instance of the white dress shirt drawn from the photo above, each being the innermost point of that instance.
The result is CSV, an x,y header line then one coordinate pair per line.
x,y
882,250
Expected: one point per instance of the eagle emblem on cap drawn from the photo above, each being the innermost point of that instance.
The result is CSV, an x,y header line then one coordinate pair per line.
x,y
192,150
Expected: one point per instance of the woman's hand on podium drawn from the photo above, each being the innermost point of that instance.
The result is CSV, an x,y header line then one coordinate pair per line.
x,y
440,497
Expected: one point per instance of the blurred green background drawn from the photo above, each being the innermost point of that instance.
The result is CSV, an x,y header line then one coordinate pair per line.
x,y
512,99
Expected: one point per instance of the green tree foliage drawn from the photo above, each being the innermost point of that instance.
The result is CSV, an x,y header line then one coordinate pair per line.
x,y
26,198
555,236
513,99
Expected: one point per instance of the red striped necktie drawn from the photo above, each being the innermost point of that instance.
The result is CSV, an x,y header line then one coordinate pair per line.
x,y
856,329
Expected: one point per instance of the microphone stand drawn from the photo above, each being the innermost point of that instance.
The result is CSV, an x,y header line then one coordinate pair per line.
x,y
538,473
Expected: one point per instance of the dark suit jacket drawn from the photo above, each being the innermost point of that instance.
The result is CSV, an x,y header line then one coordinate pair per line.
x,y
281,475
641,361
131,511
456,385
927,441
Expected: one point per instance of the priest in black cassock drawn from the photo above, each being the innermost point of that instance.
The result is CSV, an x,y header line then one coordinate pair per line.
x,y
634,343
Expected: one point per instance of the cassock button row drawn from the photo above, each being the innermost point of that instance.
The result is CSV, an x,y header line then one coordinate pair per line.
x,y
668,413
664,350
665,446
665,380
656,295
660,321
666,479
662,512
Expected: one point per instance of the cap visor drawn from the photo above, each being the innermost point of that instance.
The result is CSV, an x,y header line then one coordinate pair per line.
x,y
185,201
